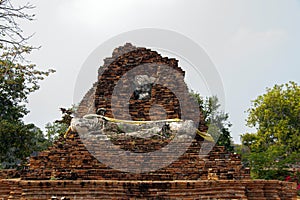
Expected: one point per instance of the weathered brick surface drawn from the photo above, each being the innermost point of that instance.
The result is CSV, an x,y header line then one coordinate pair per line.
x,y
126,58
9,173
117,66
178,189
68,158
87,104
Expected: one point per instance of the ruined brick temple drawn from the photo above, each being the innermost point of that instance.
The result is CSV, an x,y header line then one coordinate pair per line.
x,y
67,169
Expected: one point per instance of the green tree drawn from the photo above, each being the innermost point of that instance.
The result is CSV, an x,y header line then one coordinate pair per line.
x,y
59,127
18,78
18,141
276,144
243,151
216,120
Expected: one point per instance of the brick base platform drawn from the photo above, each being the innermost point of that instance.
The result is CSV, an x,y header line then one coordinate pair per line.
x,y
112,189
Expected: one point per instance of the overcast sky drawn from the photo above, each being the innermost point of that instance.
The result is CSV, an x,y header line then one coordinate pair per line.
x,y
254,44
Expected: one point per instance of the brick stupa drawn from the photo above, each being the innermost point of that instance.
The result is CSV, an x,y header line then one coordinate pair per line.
x,y
67,169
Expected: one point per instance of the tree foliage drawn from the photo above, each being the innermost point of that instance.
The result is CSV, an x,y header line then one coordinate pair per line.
x,y
18,141
216,120
18,78
276,144
59,127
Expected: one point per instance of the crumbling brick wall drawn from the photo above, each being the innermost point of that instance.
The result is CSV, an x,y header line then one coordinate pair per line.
x,y
162,104
129,58
87,104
